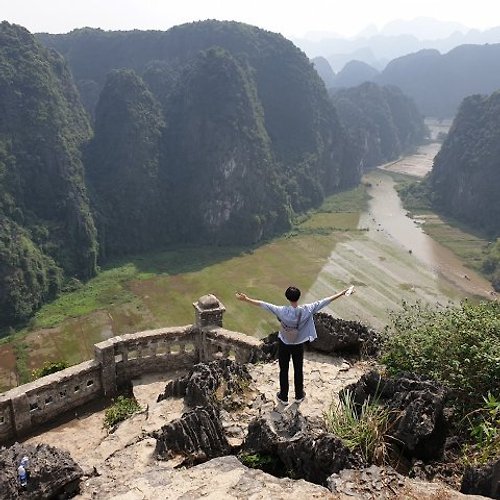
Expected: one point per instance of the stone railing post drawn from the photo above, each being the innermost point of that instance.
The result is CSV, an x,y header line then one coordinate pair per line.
x,y
208,311
104,353
21,414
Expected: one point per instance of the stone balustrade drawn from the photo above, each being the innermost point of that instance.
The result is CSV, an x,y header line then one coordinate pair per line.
x,y
117,361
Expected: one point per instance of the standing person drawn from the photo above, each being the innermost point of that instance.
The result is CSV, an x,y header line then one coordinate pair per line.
x,y
297,327
23,473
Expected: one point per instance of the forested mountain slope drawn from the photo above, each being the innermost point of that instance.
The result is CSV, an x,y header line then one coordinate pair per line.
x,y
384,122
249,134
465,177
354,73
46,229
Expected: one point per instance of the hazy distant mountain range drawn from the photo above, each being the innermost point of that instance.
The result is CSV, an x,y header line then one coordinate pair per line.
x,y
397,38
436,82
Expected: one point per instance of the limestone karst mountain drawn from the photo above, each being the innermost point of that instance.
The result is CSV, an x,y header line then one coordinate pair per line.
x,y
384,121
250,135
46,229
465,177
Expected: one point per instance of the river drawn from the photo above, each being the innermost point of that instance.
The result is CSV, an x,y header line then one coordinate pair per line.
x,y
393,259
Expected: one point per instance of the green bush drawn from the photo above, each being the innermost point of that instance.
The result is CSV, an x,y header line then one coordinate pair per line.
x,y
491,264
365,430
265,462
48,368
416,195
485,432
121,409
456,345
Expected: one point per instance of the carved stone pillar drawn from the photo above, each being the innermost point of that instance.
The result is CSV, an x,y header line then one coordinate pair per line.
x,y
208,311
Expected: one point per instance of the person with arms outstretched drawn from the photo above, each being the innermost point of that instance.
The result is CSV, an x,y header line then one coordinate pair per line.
x,y
296,328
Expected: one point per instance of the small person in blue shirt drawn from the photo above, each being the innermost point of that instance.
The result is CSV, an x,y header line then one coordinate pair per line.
x,y
23,473
297,327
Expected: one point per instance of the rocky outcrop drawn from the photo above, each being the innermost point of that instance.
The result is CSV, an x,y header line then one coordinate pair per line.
x,y
220,382
338,335
287,438
197,436
482,480
417,410
371,482
52,472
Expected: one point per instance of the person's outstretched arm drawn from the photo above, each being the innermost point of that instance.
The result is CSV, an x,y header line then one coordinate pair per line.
x,y
319,304
336,296
245,298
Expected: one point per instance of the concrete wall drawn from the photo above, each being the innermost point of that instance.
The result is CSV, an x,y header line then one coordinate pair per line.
x,y
116,362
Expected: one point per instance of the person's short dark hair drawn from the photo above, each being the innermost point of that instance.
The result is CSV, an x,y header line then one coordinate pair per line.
x,y
292,293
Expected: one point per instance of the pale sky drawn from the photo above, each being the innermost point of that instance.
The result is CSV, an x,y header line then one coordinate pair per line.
x,y
291,18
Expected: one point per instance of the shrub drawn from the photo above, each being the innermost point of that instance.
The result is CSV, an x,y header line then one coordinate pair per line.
x,y
48,368
491,264
456,345
121,409
416,195
485,432
265,462
365,430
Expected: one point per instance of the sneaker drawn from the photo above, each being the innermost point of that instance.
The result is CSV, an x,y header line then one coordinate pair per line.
x,y
281,400
299,400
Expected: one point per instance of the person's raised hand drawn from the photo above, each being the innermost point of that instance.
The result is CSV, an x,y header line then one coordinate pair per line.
x,y
241,296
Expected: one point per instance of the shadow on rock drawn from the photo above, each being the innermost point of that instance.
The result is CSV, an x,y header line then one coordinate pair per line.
x,y
483,480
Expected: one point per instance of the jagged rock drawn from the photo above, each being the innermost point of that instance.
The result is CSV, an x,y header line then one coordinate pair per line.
x,y
371,482
270,347
482,480
338,335
52,472
302,455
417,405
315,458
174,389
266,431
198,436
214,383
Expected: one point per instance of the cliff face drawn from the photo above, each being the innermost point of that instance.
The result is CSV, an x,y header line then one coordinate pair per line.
x,y
465,176
384,122
219,169
122,164
46,228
